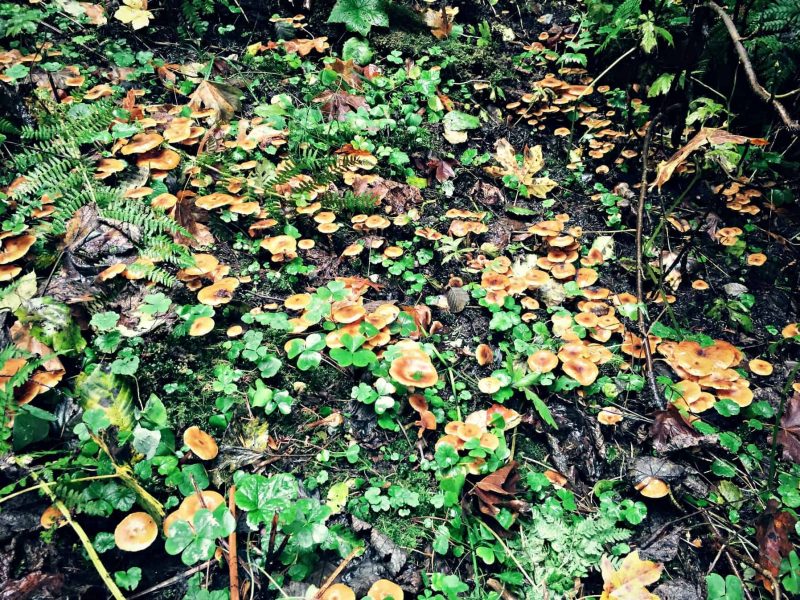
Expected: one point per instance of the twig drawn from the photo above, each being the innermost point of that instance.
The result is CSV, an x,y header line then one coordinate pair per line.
x,y
175,579
648,352
337,571
760,91
233,563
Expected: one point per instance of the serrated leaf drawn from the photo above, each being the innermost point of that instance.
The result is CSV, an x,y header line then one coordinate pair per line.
x,y
359,15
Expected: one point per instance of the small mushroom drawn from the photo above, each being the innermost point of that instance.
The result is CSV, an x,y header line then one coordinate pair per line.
x,y
414,371
135,532
760,367
383,589
201,326
581,370
484,354
200,443
338,591
141,143
652,487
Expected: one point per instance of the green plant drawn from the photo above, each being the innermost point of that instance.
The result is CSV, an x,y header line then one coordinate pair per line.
x,y
196,541
360,15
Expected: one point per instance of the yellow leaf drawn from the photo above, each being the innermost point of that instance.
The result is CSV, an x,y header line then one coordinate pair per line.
x,y
532,163
337,496
134,13
629,583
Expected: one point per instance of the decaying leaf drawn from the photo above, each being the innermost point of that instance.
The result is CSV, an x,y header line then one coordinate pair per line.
x,y
704,137
338,104
631,580
497,490
789,435
772,533
441,21
304,47
532,163
221,98
348,71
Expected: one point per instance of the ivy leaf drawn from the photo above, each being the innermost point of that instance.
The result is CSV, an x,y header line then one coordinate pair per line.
x,y
359,15
128,580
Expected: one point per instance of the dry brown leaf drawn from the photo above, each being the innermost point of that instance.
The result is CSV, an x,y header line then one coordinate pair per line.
x,y
441,21
303,47
789,435
629,583
223,99
773,529
532,163
705,137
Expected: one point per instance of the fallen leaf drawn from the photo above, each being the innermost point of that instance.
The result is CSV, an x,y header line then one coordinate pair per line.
x,y
348,71
135,13
772,534
223,99
441,21
338,104
789,435
496,491
704,137
630,581
304,47
532,163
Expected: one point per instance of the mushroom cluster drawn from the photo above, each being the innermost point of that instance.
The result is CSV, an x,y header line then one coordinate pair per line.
x,y
739,197
473,432
13,248
707,374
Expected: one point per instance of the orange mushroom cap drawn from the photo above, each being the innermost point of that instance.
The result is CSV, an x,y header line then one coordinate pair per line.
x,y
338,591
383,589
581,370
652,487
201,326
200,443
142,142
414,370
135,532
484,354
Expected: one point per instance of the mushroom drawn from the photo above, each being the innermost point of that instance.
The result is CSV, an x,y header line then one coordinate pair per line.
x,y
297,301
16,247
511,418
383,588
581,370
414,370
652,487
542,361
489,385
760,367
347,311
200,443
135,532
201,326
52,517
9,272
163,160
484,354
208,499
218,293
757,259
141,143
791,330
609,415
338,591
234,331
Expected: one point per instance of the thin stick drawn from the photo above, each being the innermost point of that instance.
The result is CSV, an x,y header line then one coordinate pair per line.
x,y
648,353
337,571
760,91
233,563
175,579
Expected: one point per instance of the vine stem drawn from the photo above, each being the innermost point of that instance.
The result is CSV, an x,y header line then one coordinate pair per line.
x,y
87,543
648,351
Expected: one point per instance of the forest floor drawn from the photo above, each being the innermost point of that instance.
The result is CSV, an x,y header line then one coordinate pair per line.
x,y
298,312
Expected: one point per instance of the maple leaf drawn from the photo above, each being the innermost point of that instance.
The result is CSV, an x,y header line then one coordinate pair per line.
x,y
497,491
135,13
441,21
532,163
348,71
630,581
359,15
338,104
704,137
772,533
789,435
221,98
